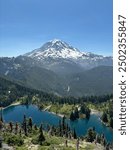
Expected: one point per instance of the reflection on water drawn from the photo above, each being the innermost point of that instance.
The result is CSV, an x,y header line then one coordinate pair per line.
x,y
9,109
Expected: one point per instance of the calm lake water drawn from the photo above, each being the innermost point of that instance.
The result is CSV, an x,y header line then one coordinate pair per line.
x,y
15,113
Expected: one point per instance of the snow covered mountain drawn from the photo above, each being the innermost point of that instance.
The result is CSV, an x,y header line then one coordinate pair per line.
x,y
55,49
59,56
59,49
59,68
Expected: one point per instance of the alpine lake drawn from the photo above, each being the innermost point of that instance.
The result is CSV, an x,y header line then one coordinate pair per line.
x,y
15,114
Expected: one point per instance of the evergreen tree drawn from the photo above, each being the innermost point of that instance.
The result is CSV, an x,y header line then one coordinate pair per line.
x,y
107,146
98,138
87,113
91,135
76,113
41,137
1,125
82,109
60,128
25,125
104,142
30,124
72,116
20,132
47,127
41,128
1,142
74,134
104,117
16,127
11,126
67,127
111,122
66,143
63,122
1,115
35,127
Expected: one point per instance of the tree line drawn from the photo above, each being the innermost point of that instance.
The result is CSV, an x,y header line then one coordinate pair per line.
x,y
11,92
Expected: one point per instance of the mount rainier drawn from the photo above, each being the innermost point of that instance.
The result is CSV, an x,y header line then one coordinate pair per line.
x,y
59,68
61,57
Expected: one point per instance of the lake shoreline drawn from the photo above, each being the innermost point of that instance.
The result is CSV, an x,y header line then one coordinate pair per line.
x,y
13,104
38,112
96,112
60,115
93,111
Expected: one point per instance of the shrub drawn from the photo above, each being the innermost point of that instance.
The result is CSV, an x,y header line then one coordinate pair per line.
x,y
14,140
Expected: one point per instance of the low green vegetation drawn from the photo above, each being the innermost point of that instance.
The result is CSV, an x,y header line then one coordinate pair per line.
x,y
27,135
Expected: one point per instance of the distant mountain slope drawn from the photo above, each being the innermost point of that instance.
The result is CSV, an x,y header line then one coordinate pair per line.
x,y
96,81
62,69
11,91
41,79
35,77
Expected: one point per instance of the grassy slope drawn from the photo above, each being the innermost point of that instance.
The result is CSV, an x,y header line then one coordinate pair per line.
x,y
57,143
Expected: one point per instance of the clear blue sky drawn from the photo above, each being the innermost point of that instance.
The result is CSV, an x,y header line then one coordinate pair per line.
x,y
28,24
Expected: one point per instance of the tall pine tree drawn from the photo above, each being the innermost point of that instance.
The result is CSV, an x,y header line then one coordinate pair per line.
x,y
1,115
41,137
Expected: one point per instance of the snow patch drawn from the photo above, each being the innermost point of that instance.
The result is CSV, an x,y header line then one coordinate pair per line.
x,y
6,73
16,66
68,89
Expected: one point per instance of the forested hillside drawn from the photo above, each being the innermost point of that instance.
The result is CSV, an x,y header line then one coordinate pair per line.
x,y
11,91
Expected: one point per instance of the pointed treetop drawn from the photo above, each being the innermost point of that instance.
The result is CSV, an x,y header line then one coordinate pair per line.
x,y
1,115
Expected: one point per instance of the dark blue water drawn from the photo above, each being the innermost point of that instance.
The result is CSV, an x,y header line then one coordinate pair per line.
x,y
15,113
